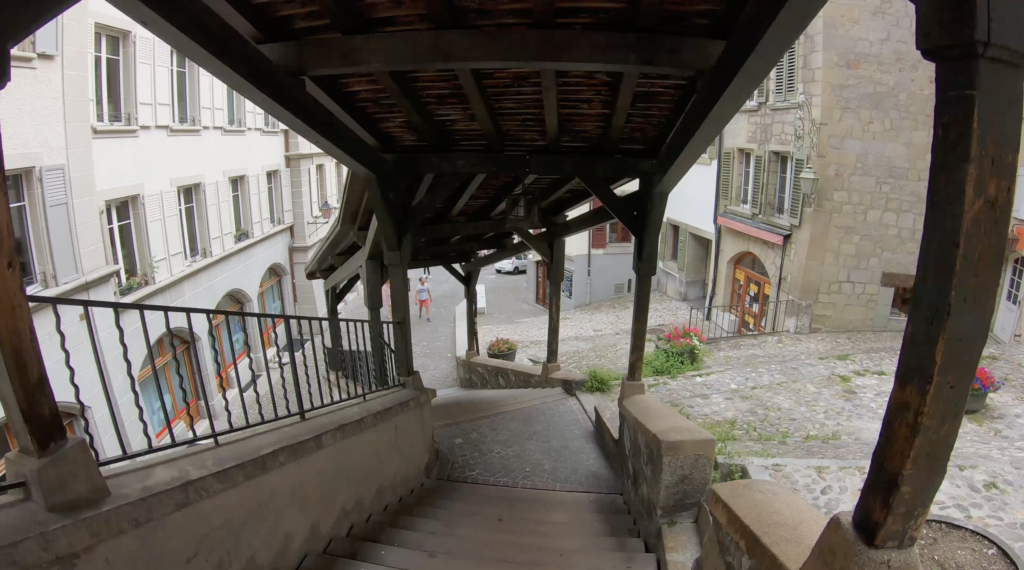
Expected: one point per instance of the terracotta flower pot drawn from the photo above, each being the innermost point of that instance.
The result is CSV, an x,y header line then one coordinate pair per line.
x,y
509,356
976,403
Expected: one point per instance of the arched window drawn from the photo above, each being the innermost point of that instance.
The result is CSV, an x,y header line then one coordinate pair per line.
x,y
272,302
230,334
172,356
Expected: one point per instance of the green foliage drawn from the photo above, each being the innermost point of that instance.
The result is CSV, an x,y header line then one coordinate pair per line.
x,y
991,486
600,380
672,361
845,379
987,357
723,430
862,372
842,357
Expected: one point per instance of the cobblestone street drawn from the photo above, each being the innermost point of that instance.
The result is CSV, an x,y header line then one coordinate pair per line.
x,y
808,407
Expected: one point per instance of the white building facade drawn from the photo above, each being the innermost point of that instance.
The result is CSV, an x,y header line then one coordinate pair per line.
x,y
133,175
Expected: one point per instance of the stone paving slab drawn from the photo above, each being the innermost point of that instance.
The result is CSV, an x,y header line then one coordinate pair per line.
x,y
548,446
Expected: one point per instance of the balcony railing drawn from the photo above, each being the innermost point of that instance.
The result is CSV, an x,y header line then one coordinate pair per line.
x,y
149,378
726,321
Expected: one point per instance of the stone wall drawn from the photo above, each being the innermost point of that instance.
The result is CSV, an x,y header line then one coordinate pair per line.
x,y
493,374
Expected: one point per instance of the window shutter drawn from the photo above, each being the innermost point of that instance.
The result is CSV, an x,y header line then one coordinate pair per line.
x,y
681,245
173,230
264,201
227,220
162,82
662,243
725,168
713,149
599,237
213,218
314,183
60,223
286,195
205,98
796,201
90,31
624,235
339,171
255,218
156,236
48,38
259,117
250,121
790,59
219,91
761,95
144,80
194,87
758,189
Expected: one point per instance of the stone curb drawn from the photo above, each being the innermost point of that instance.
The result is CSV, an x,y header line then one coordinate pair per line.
x,y
1002,544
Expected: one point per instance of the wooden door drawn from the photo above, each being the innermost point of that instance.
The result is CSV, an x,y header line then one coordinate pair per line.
x,y
750,296
542,284
1009,303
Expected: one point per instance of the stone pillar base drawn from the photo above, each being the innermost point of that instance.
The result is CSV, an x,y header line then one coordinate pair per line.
x,y
471,354
629,389
67,478
548,368
840,547
415,382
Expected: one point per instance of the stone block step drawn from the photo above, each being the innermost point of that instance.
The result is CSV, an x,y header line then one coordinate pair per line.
x,y
452,489
453,502
328,562
530,537
519,552
581,520
507,528
408,559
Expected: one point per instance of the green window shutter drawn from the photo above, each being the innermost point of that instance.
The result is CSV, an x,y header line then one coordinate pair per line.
x,y
725,168
758,175
779,84
761,95
662,249
796,201
791,94
681,257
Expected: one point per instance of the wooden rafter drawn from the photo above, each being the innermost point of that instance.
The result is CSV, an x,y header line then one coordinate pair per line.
x,y
440,13
345,16
500,200
549,86
497,49
623,100
466,194
557,189
460,248
483,112
460,229
439,193
535,243
537,164
353,118
624,208
417,114
544,12
646,15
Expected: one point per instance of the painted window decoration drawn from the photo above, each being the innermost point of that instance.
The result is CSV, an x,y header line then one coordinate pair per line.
x,y
272,302
173,385
108,78
122,240
17,198
229,333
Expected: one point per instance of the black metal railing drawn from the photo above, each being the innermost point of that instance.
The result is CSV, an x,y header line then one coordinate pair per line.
x,y
149,378
725,321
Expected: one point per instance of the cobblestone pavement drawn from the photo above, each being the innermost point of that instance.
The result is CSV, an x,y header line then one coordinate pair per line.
x,y
809,408
548,446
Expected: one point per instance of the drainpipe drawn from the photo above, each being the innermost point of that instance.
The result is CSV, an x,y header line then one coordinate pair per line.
x,y
782,262
718,231
590,242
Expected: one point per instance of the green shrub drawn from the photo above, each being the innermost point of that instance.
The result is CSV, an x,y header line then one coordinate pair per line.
x,y
600,380
671,360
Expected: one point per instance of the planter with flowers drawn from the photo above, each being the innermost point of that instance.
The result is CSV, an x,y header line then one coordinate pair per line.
x,y
678,351
502,349
984,384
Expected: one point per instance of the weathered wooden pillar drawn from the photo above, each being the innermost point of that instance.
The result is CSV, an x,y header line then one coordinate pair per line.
x,y
978,51
373,299
60,472
471,277
645,266
556,274
398,273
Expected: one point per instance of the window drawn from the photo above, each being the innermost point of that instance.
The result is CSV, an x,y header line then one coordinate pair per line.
x,y
189,219
108,78
238,203
747,186
785,77
1013,287
674,236
270,122
230,339
17,197
271,199
271,302
235,109
163,393
46,40
321,185
180,89
617,233
122,240
783,184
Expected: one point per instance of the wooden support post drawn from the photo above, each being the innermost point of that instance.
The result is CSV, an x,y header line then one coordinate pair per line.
x,y
556,273
472,336
645,265
975,148
372,297
334,298
398,272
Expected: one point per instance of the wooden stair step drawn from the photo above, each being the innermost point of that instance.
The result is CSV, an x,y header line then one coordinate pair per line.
x,y
512,529
450,488
522,552
408,559
488,504
524,517
328,562
562,539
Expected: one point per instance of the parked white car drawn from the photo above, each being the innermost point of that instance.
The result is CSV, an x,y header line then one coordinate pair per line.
x,y
514,265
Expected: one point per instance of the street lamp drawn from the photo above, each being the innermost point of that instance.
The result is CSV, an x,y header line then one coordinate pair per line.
x,y
808,180
326,210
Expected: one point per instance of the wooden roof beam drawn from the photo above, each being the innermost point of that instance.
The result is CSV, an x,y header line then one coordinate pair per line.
x,y
549,87
481,105
438,193
558,188
535,164
544,12
624,208
496,49
623,100
345,17
426,251
436,231
497,203
419,117
466,194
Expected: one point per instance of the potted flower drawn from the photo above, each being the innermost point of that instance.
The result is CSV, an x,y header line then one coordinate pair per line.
x,y
132,284
502,349
686,342
984,384
241,235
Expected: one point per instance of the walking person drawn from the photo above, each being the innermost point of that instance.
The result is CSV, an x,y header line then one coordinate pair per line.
x,y
426,272
424,297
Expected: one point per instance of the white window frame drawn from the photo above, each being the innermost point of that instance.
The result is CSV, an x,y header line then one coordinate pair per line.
x,y
784,185
100,87
271,196
746,178
36,283
176,115
234,104
321,185
270,123
183,210
116,249
238,188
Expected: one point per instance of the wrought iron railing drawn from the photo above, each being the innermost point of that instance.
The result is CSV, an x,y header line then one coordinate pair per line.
x,y
725,321
149,378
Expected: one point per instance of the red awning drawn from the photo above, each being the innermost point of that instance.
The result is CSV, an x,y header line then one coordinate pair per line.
x,y
750,230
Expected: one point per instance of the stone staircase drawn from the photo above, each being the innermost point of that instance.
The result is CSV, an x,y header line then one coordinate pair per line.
x,y
461,526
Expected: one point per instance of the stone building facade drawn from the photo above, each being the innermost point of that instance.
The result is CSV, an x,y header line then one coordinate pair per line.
x,y
853,100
